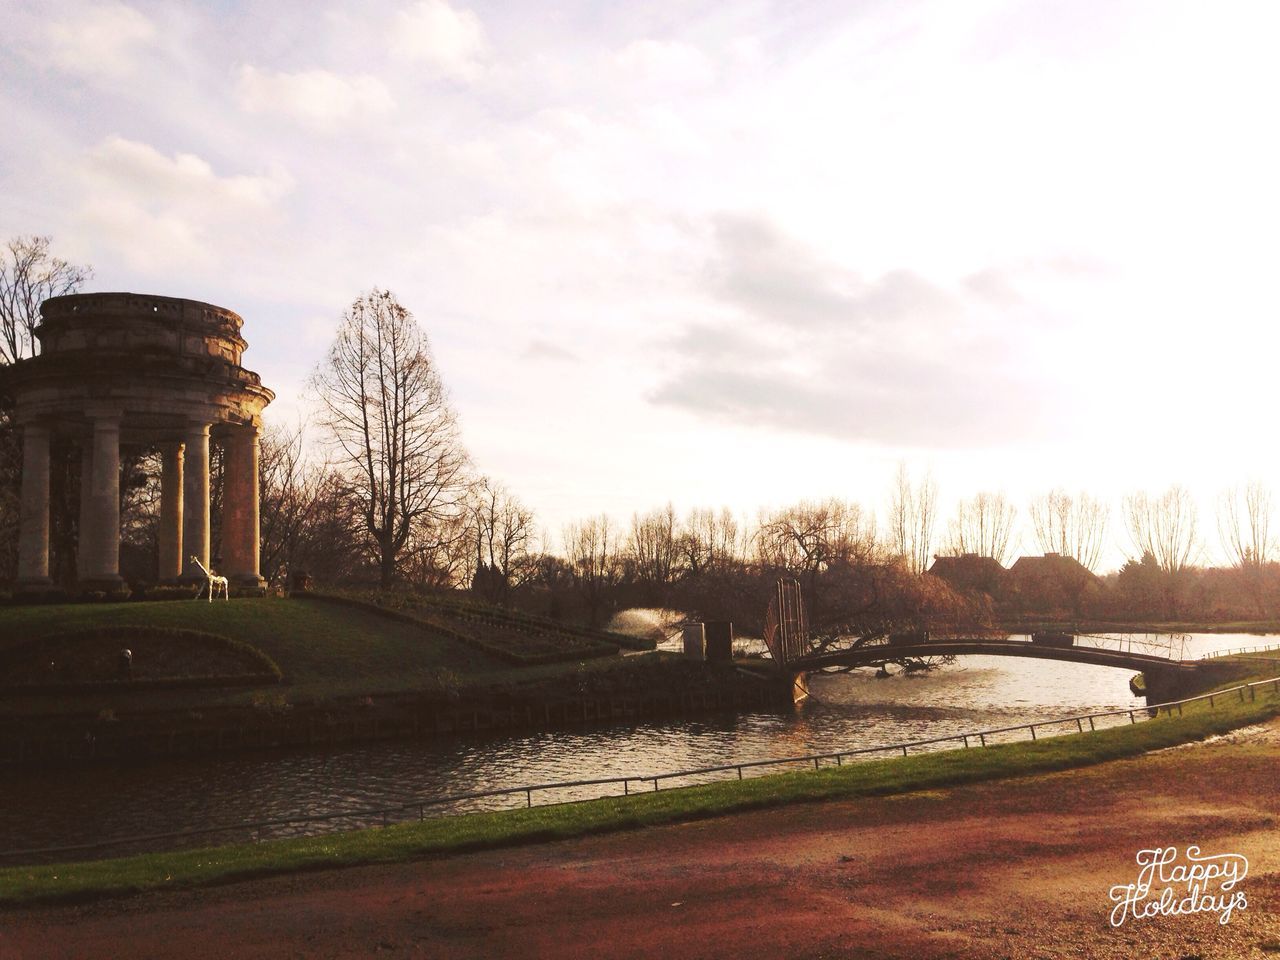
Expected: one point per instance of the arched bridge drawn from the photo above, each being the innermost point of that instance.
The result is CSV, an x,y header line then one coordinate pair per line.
x,y
1083,653
1164,677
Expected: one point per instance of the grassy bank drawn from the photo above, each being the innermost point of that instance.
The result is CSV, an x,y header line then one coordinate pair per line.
x,y
316,648
193,868
1259,627
325,652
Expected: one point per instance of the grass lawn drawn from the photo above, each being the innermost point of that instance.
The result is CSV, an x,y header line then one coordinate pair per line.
x,y
323,650
191,868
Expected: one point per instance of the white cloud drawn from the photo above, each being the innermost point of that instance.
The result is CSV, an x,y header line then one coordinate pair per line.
x,y
450,41
173,209
102,40
667,63
812,346
141,167
316,98
546,350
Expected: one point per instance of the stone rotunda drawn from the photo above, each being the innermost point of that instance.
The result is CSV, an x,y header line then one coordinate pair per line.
x,y
124,368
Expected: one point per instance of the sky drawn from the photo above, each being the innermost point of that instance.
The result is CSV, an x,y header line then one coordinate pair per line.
x,y
733,254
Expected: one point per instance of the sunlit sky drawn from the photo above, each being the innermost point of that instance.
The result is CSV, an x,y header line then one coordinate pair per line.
x,y
708,253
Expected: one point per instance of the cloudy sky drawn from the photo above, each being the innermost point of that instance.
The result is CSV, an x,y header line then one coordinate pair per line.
x,y
711,253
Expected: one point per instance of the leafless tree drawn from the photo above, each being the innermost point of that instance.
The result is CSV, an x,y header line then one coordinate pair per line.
x,y
438,555
983,525
30,275
1164,526
811,538
1244,525
592,549
332,545
290,490
396,436
653,549
709,541
1072,526
502,534
913,512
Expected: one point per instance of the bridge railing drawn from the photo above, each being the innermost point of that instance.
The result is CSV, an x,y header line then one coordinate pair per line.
x,y
1262,648
1174,648
1171,649
406,810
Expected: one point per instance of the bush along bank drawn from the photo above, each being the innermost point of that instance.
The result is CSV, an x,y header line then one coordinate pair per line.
x,y
643,687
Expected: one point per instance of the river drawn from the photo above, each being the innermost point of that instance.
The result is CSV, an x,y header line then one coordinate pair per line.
x,y
88,804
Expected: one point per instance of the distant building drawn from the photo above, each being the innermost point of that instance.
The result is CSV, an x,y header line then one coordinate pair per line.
x,y
1051,584
971,572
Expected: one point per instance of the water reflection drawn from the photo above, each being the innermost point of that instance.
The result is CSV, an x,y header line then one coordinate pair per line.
x,y
86,804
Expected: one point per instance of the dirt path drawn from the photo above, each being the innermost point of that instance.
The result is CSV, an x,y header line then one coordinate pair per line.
x,y
1015,869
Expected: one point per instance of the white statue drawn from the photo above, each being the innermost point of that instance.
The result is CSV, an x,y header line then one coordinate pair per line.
x,y
214,583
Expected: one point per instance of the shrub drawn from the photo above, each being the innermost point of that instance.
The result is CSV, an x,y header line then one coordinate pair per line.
x,y
160,655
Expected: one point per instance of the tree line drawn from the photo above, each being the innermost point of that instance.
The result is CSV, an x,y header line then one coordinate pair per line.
x,y
387,494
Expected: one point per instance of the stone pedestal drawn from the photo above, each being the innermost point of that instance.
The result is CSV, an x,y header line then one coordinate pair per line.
x,y
695,641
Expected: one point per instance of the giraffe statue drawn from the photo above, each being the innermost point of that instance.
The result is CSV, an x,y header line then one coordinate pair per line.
x,y
214,582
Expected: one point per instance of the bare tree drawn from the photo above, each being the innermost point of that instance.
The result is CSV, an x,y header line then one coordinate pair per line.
x,y
388,415
1072,526
290,497
332,545
709,541
30,275
1164,527
1244,525
653,550
438,554
811,538
591,547
983,525
912,514
502,532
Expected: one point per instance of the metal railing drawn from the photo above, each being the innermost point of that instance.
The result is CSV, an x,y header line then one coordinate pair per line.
x,y
1143,642
1260,648
404,811
1150,645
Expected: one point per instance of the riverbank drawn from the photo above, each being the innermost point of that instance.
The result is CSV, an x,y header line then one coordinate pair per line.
x,y
127,727
1256,627
349,671
455,834
1017,868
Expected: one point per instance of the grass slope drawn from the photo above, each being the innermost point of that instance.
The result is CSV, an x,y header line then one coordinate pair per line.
x,y
191,868
323,651
1258,627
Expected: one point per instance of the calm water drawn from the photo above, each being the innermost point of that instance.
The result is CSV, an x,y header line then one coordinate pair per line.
x,y
87,804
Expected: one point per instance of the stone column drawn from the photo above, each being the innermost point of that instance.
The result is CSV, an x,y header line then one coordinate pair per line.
x,y
33,517
85,522
100,550
195,500
171,558
240,528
